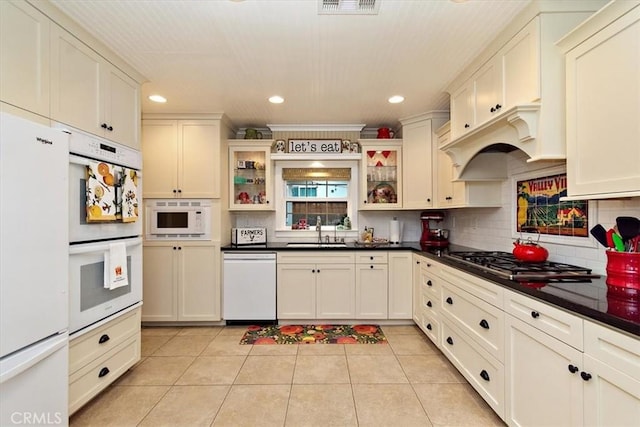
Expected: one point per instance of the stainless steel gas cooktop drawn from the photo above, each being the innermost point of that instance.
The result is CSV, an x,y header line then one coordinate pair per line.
x,y
505,265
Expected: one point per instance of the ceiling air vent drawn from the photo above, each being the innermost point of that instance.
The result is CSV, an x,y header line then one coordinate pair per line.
x,y
348,7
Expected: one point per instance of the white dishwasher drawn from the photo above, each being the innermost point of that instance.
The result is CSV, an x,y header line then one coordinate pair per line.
x,y
249,286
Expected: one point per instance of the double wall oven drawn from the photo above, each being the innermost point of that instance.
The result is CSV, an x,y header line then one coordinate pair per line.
x,y
92,241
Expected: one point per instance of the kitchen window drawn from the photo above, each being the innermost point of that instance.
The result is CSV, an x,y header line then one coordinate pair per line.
x,y
308,190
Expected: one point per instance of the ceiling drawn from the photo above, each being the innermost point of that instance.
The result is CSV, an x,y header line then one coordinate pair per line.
x,y
214,56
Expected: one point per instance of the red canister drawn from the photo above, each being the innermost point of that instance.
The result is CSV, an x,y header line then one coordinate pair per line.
x,y
623,274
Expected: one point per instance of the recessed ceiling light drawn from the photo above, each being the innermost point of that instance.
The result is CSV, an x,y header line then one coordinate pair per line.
x,y
276,99
158,98
396,99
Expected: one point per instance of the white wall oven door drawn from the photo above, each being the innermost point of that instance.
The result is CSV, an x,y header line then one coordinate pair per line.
x,y
89,300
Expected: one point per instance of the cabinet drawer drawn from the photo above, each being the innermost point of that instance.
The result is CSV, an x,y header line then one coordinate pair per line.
x,y
484,372
91,345
316,257
94,377
430,283
430,325
559,324
613,348
429,300
483,289
481,321
371,257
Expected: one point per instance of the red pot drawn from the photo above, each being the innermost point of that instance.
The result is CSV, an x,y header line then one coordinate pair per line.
x,y
529,252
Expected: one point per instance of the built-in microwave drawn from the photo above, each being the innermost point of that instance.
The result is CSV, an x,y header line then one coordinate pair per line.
x,y
178,219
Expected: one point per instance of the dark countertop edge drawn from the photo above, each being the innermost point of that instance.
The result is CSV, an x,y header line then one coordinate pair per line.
x,y
435,254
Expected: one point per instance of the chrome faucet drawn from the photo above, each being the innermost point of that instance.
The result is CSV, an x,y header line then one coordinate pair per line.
x,y
319,228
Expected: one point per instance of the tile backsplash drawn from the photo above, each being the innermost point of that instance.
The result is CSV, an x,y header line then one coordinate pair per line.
x,y
490,228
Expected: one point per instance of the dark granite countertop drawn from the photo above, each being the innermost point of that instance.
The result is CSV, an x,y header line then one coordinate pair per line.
x,y
588,299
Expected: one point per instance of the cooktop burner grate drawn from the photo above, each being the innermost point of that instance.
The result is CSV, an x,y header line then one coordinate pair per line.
x,y
506,265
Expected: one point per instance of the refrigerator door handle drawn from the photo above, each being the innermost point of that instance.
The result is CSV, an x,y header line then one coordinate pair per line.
x,y
20,361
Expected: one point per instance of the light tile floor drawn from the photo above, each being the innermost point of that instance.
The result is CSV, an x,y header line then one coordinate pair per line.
x,y
202,376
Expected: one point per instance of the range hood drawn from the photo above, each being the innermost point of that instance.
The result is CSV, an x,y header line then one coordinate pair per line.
x,y
538,132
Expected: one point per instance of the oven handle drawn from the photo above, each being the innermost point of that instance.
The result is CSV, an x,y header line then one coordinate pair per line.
x,y
102,246
74,159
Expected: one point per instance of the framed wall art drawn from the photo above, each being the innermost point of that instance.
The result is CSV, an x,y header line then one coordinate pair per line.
x,y
538,208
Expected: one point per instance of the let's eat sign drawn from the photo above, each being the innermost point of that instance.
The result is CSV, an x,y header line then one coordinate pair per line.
x,y
315,146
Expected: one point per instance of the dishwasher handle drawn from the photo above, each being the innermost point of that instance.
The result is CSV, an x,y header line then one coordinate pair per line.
x,y
249,256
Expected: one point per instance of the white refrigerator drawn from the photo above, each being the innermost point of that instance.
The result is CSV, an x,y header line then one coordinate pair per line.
x,y
34,269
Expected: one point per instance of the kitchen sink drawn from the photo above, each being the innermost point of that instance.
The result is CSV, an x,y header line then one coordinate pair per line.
x,y
316,245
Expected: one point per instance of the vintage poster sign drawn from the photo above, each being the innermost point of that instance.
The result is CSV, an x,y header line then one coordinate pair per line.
x,y
538,207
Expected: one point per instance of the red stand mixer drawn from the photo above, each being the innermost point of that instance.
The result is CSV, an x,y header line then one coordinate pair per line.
x,y
433,236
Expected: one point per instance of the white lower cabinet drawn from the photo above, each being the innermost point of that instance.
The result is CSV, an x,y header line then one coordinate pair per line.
x,y
534,364
181,281
98,357
372,283
611,377
316,285
543,378
400,285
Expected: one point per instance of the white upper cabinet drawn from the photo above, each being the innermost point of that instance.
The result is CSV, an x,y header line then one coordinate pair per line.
x,y
488,83
24,57
513,92
91,94
418,166
603,104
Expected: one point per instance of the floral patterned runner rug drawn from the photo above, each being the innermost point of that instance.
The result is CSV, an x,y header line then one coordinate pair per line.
x,y
314,334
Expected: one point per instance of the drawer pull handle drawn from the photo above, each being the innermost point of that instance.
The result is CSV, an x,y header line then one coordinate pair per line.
x,y
429,304
573,369
585,375
485,375
428,265
484,324
104,371
429,326
535,314
103,339
449,300
429,283
371,258
371,266
450,340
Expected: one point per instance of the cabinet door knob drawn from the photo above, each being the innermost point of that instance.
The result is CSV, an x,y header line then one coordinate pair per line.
x,y
449,340
175,247
573,369
110,128
103,126
429,326
585,375
104,371
429,304
484,324
428,265
371,258
467,125
371,266
417,262
179,190
492,109
179,248
103,339
485,375
318,271
313,271
175,191
535,314
429,283
365,201
267,202
428,200
498,106
449,301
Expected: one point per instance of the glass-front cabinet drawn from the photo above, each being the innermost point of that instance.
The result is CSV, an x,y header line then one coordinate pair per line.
x,y
250,182
381,179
